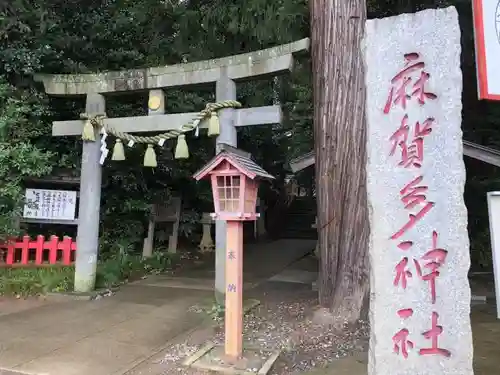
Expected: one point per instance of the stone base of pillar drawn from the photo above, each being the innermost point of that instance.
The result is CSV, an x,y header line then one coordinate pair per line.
x,y
316,251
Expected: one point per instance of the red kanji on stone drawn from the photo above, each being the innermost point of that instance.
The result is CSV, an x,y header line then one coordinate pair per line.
x,y
398,94
405,313
402,273
405,245
419,89
433,335
400,137
435,258
412,196
400,339
412,154
401,342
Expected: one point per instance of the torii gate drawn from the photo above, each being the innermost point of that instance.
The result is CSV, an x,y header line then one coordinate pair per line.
x,y
224,72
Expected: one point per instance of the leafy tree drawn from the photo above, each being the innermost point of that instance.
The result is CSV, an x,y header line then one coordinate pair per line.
x,y
19,156
94,36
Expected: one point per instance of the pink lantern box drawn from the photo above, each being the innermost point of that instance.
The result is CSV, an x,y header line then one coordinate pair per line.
x,y
235,182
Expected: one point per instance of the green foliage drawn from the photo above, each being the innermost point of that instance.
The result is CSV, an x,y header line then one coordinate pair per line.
x,y
211,308
120,262
216,312
189,222
61,37
24,282
20,115
112,272
117,270
160,261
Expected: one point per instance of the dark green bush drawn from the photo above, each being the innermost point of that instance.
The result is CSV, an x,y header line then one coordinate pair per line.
x,y
111,272
119,269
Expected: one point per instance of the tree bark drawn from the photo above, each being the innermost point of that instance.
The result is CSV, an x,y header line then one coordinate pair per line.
x,y
337,30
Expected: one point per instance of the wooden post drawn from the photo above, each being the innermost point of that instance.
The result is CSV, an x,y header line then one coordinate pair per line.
x,y
225,89
90,202
234,292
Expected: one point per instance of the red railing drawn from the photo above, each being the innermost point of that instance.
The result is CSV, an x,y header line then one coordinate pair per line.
x,y
25,253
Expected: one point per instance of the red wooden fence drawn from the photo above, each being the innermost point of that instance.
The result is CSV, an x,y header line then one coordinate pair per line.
x,y
24,253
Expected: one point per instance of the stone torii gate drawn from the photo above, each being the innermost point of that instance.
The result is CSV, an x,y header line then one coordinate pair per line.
x,y
224,72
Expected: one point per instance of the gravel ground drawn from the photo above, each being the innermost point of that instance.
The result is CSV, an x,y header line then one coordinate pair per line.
x,y
282,321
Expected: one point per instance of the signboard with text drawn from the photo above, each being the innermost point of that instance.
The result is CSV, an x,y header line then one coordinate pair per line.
x,y
50,204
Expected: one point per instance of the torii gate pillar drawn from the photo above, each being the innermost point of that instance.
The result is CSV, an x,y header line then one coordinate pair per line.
x,y
87,240
225,89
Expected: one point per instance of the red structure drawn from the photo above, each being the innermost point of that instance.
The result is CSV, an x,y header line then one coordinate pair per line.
x,y
28,253
235,181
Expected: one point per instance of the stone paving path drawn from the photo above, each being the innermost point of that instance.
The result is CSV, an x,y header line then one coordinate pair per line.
x,y
102,337
114,334
261,261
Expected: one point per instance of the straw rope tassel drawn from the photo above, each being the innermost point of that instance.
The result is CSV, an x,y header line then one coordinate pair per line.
x,y
91,122
181,150
150,157
118,151
88,131
213,124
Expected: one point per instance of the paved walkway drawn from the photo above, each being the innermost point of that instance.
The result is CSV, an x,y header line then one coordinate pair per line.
x,y
102,337
114,334
261,262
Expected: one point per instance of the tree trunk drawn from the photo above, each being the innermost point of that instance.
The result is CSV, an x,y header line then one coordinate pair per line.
x,y
340,146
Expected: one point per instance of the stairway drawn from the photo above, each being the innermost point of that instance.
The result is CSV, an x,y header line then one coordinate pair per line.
x,y
299,219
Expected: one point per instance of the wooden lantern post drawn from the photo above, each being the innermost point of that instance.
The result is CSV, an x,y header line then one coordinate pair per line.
x,y
235,182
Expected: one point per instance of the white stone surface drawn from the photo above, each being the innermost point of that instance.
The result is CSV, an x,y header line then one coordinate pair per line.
x,y
435,36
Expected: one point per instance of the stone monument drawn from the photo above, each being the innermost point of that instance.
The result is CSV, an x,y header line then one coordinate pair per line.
x,y
419,247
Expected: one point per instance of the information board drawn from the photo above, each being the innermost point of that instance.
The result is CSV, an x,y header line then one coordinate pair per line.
x,y
50,204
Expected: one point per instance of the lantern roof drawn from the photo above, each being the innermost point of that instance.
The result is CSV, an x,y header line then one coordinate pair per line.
x,y
239,159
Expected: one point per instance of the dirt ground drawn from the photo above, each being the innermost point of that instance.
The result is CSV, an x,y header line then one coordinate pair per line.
x,y
282,321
